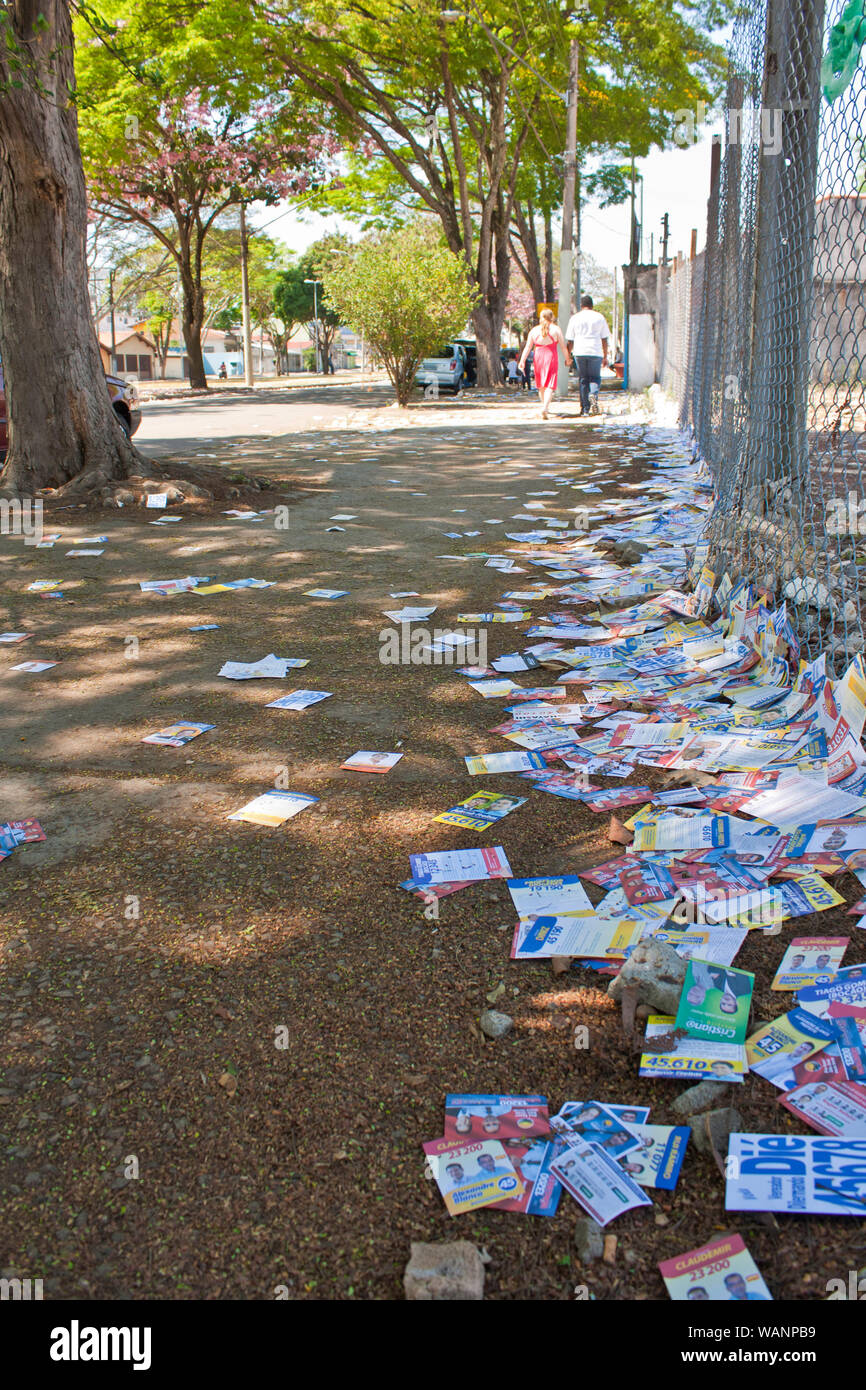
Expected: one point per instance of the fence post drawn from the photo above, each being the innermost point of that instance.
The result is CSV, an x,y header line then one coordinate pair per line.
x,y
705,363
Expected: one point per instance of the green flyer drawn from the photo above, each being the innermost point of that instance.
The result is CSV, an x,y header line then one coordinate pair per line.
x,y
715,1002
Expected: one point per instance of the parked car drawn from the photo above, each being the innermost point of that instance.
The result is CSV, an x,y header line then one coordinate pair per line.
x,y
124,399
470,352
445,370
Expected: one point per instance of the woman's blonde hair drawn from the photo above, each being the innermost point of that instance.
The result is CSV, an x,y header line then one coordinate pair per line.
x,y
546,316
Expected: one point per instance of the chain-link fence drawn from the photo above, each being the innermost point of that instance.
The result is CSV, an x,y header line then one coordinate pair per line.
x,y
764,335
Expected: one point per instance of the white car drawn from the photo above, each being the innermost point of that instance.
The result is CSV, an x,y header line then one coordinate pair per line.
x,y
444,372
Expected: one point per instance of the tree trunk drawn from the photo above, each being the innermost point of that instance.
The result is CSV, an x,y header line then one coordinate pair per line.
x,y
192,325
532,269
61,423
488,333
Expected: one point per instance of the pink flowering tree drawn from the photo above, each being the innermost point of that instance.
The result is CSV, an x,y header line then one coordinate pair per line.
x,y
177,166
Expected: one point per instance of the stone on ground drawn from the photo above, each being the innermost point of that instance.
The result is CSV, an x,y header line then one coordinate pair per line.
x,y
450,1271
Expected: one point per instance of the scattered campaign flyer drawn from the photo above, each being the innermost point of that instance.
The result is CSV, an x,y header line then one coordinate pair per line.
x,y
851,1037
594,1122
832,1107
669,831
795,800
577,934
269,667
658,1158
796,1173
504,762
33,666
299,699
715,1002
776,1048
596,1181
456,865
532,1158
471,1175
614,797
9,638
847,991
480,811
684,1057
553,896
468,1115
273,808
718,945
326,593
720,1272
177,735
156,500
839,836
810,960
496,689
366,761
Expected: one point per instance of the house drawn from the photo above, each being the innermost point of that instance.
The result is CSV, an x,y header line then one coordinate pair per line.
x,y
134,354
839,288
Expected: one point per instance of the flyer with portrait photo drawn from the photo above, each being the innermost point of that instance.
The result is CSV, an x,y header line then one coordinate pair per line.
x,y
831,1107
592,1121
810,960
715,1002
657,1160
367,761
533,1159
777,1047
689,1058
481,811
597,1182
721,1272
474,1116
471,1175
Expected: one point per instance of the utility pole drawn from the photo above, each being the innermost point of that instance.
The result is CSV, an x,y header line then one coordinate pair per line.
x,y
634,255
111,315
566,256
665,238
245,302
315,285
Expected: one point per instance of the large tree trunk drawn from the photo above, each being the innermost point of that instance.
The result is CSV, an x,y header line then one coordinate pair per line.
x,y
61,423
192,323
493,273
488,336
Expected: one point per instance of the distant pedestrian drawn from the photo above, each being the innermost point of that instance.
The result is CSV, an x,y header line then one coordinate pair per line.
x,y
588,336
544,342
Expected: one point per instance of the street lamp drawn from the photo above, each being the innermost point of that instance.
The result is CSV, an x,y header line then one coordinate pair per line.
x,y
314,283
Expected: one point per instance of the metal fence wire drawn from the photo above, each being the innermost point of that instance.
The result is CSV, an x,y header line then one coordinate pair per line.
x,y
765,331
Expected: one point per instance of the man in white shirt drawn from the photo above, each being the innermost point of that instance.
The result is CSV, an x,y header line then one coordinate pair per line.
x,y
587,336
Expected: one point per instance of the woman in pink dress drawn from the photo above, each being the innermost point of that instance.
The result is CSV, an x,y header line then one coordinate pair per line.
x,y
544,341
